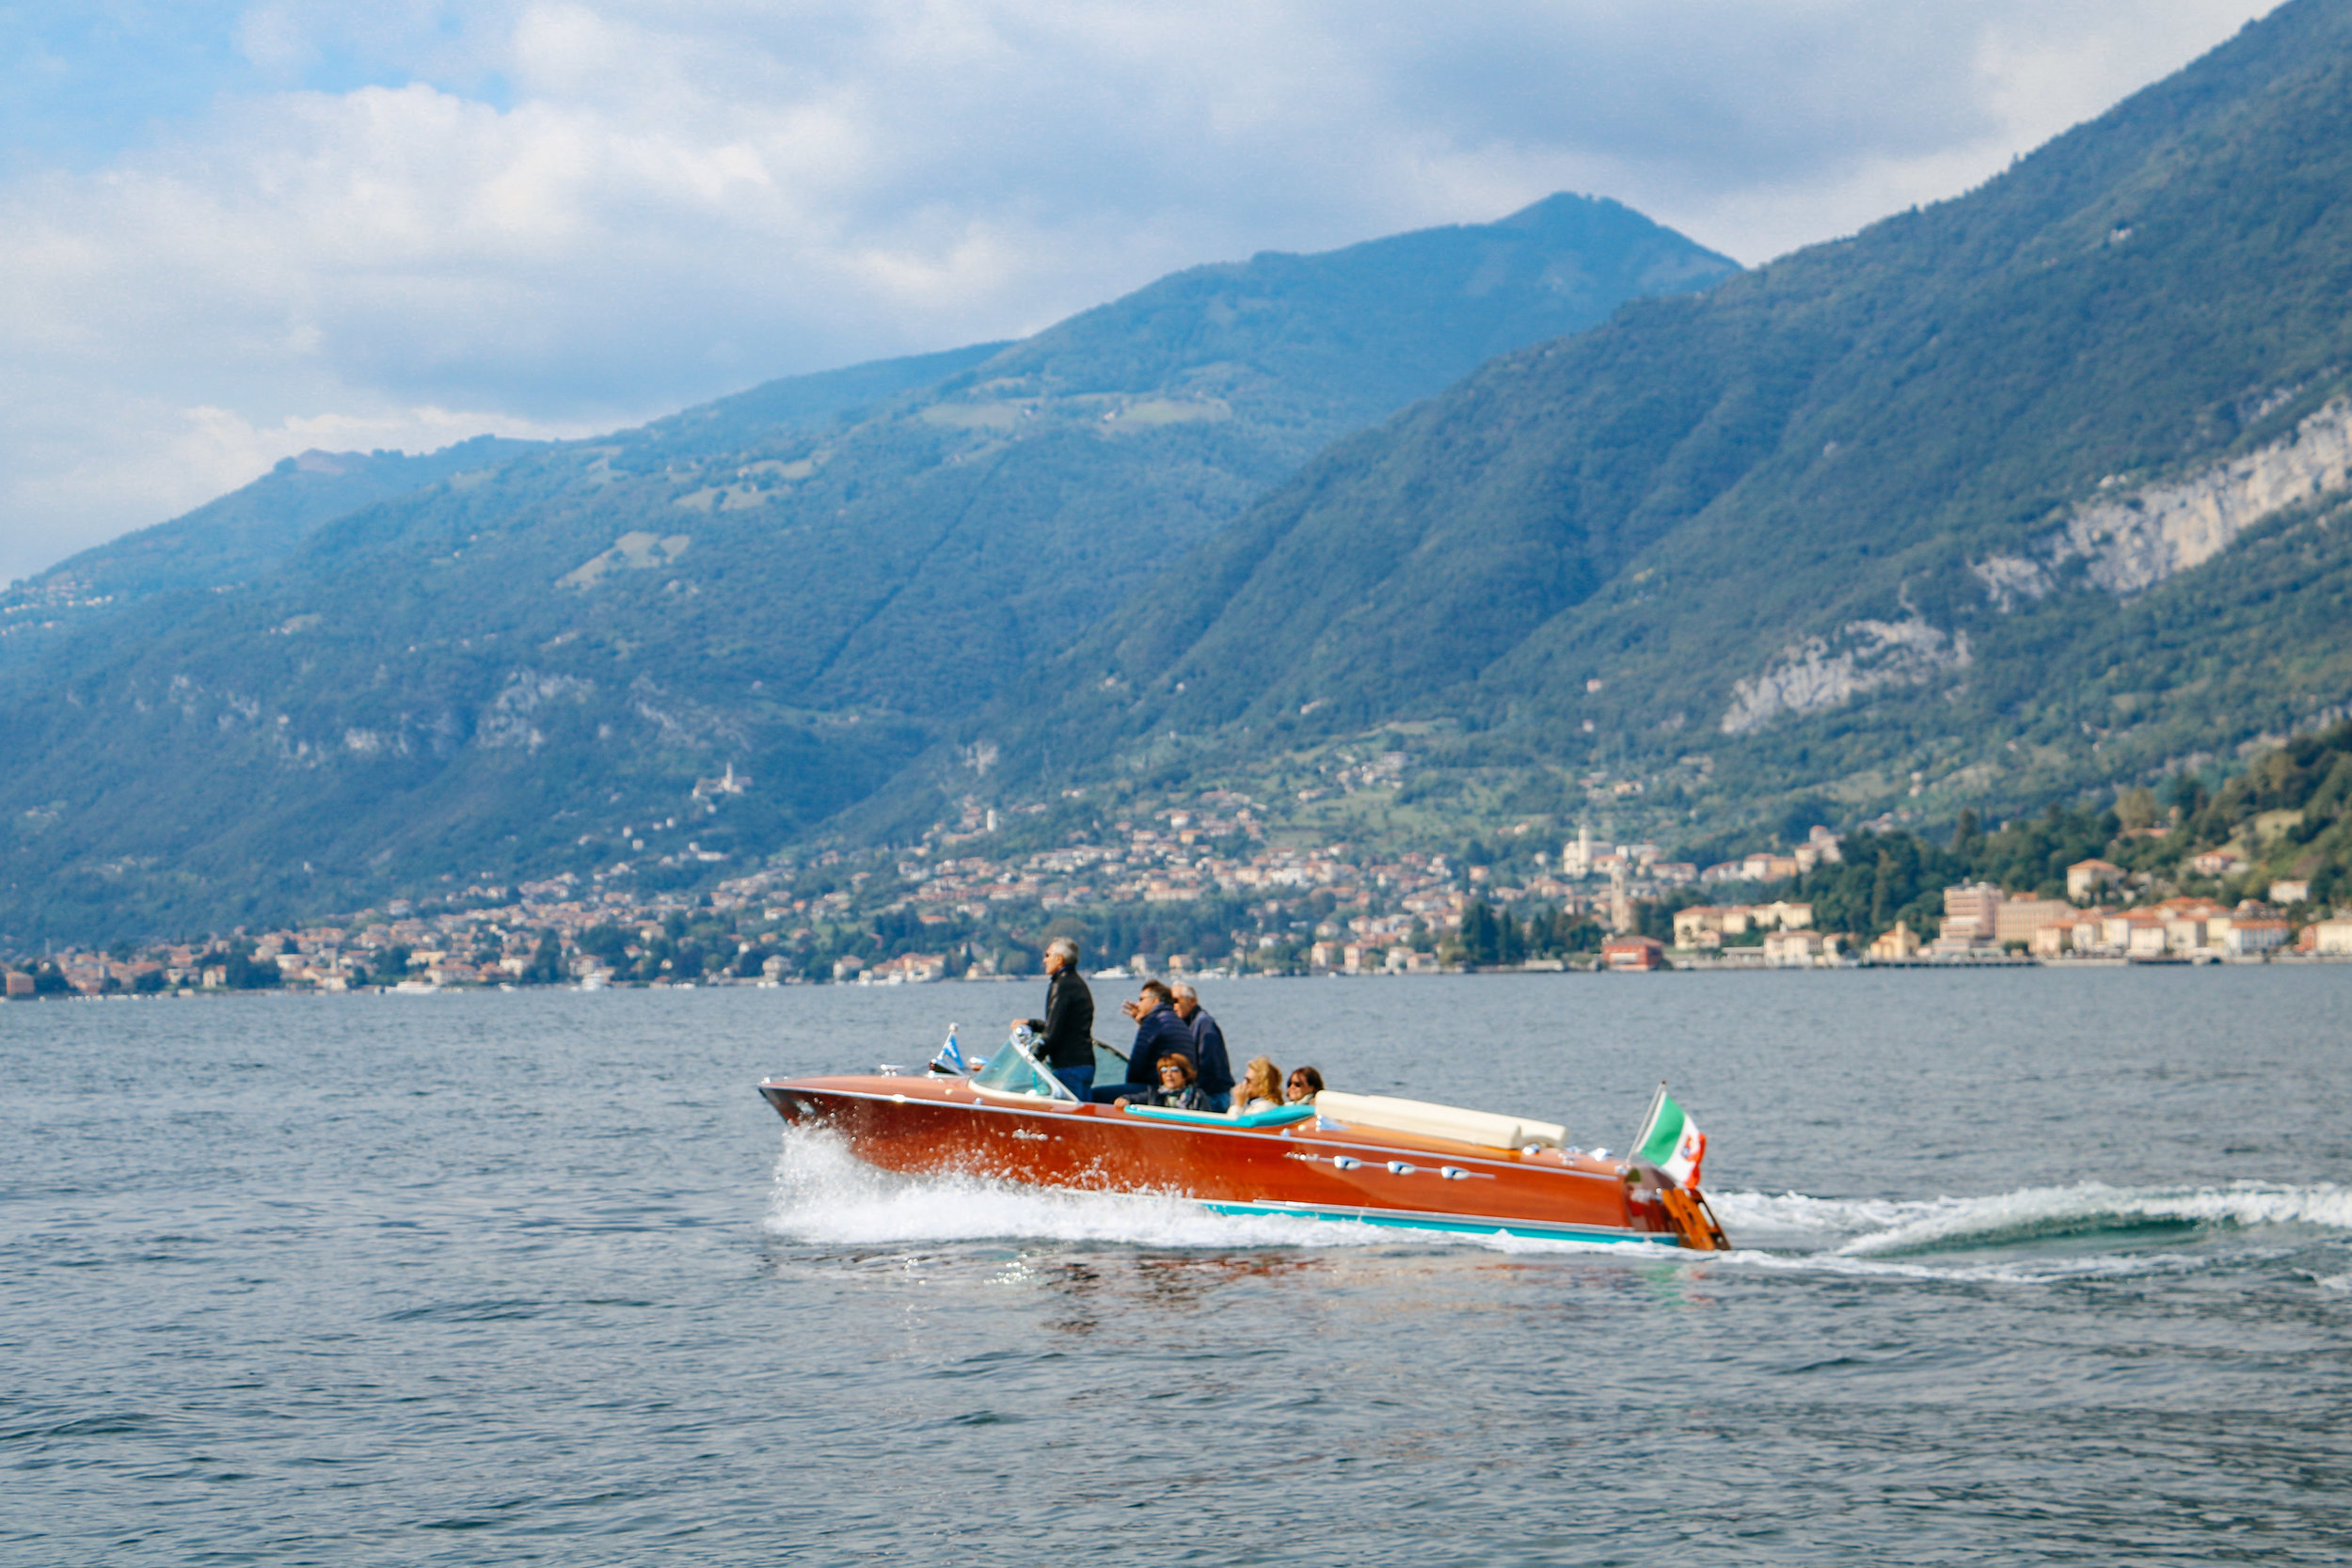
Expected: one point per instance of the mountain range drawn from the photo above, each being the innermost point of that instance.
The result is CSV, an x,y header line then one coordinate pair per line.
x,y
501,659
2000,502
2019,496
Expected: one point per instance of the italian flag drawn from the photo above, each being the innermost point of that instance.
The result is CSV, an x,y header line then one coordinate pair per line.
x,y
1671,1141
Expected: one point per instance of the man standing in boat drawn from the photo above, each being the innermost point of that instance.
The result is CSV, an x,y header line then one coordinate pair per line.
x,y
1066,1033
1208,1046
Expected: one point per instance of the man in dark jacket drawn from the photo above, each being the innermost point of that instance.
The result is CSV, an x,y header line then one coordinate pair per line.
x,y
1158,1032
1066,1033
1208,1047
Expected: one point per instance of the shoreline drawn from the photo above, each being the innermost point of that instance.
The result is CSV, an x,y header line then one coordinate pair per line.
x,y
1684,966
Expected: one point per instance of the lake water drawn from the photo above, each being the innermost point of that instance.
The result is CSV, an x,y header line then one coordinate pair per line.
x,y
2032,1266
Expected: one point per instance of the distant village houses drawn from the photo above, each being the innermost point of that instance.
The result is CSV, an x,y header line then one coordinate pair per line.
x,y
2087,879
952,904
1898,943
1704,927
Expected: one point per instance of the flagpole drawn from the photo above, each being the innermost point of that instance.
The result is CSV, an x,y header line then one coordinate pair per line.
x,y
1649,1120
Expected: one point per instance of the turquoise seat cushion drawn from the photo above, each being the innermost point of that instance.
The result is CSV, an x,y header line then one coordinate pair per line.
x,y
1281,1116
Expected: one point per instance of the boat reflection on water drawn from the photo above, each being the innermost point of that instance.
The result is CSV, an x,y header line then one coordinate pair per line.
x,y
1365,1158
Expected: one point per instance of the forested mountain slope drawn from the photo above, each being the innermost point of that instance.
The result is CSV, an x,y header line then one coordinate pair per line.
x,y
248,533
529,668
2037,487
232,540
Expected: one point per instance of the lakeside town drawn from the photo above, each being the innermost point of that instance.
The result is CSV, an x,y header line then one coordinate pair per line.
x,y
1203,890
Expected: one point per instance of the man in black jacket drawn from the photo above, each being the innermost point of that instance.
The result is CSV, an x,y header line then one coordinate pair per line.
x,y
1066,1033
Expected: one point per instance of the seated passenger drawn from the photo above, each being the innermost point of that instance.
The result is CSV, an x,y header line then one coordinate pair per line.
x,y
1177,1090
1261,1087
1208,1046
1158,1032
1305,1084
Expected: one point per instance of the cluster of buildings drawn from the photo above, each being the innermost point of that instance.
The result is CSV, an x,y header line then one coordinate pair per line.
x,y
1781,932
482,944
1370,955
1323,908
907,969
27,606
1821,848
1981,920
1640,864
1337,910
1218,848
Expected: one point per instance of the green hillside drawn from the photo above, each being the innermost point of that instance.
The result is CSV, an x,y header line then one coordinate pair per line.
x,y
223,543
530,668
250,532
812,402
2031,491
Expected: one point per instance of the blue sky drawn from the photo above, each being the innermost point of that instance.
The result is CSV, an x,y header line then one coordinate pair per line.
x,y
88,82
233,232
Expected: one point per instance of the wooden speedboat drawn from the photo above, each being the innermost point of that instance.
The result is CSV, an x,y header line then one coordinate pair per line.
x,y
1365,1158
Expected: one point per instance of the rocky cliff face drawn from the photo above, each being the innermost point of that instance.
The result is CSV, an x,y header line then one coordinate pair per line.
x,y
1823,672
2130,542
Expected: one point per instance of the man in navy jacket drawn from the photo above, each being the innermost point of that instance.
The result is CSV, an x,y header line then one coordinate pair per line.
x,y
1158,1032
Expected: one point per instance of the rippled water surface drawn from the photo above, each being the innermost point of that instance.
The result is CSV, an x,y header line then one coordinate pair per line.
x,y
2031,1266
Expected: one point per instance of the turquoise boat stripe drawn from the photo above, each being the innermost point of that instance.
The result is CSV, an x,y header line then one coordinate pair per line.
x,y
1279,1117
1425,1222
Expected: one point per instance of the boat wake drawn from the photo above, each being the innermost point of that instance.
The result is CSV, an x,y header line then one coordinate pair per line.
x,y
1868,1227
2040,1235
824,1196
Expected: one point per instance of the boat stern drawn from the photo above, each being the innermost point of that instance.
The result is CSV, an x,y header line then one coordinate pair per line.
x,y
1657,1203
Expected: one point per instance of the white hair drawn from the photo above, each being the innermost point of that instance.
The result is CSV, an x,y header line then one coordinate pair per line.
x,y
1181,989
1066,946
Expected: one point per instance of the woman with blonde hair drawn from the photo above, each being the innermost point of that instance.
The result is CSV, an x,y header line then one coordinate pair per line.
x,y
1261,1087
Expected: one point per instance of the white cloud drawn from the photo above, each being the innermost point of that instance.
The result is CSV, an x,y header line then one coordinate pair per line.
x,y
559,214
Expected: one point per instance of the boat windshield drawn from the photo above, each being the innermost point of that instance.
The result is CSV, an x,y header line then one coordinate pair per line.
x,y
1013,1070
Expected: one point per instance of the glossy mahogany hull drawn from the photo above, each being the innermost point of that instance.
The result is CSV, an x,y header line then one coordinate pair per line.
x,y
939,1125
